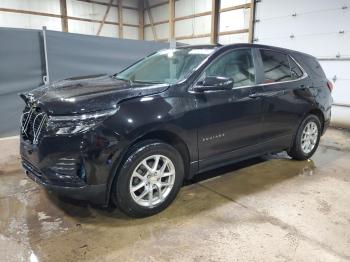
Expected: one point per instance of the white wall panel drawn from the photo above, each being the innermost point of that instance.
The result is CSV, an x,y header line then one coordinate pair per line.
x,y
148,33
189,7
130,16
201,6
196,41
340,116
47,6
75,9
234,20
229,3
198,25
81,27
8,19
159,13
131,3
155,2
321,46
305,24
274,8
130,32
315,29
91,11
340,70
29,21
108,30
146,18
231,39
184,8
162,32
317,21
308,35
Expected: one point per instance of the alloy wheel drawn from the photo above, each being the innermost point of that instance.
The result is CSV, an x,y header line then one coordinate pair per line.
x,y
152,180
309,137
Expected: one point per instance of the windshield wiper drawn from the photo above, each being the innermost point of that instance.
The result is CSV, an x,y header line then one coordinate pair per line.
x,y
147,82
131,82
120,78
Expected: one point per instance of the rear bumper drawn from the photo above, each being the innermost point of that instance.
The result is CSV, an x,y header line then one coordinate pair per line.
x,y
92,193
325,126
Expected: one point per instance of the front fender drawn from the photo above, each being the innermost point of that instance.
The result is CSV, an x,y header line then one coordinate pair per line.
x,y
157,113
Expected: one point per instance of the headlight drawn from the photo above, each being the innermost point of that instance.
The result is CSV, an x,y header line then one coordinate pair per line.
x,y
65,125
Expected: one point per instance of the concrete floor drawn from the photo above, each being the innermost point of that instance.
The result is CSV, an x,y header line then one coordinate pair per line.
x,y
268,209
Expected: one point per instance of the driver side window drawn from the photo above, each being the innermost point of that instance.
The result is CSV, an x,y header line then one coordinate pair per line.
x,y
236,64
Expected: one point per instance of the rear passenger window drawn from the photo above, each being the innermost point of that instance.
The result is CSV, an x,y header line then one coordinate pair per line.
x,y
295,69
276,66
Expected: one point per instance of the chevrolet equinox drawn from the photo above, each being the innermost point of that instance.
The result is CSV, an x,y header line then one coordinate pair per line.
x,y
133,137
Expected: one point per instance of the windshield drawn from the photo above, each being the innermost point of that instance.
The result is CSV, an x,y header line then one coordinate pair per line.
x,y
166,66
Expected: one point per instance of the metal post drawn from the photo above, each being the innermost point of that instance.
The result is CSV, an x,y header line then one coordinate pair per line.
x,y
172,43
46,78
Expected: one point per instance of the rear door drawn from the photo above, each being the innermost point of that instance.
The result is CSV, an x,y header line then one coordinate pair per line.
x,y
284,102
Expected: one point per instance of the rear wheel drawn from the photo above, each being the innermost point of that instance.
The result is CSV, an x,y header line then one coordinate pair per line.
x,y
306,139
149,179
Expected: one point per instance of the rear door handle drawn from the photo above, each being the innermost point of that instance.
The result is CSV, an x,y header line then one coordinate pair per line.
x,y
255,95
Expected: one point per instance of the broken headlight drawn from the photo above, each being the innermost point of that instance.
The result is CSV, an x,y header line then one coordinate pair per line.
x,y
67,125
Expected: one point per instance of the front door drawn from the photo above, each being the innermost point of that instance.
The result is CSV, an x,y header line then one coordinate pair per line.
x,y
229,120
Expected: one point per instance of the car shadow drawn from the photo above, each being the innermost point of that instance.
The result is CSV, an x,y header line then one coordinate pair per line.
x,y
87,213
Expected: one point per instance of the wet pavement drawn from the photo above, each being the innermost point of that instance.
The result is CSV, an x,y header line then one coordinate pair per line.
x,y
265,209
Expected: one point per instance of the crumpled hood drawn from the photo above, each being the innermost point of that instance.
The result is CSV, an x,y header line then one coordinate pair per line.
x,y
87,94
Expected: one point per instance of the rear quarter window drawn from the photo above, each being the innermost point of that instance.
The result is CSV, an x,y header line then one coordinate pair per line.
x,y
296,71
311,66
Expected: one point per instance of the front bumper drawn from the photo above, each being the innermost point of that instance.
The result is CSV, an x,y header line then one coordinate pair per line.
x,y
92,193
77,167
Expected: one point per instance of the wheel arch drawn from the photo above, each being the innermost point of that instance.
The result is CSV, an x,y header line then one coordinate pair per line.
x,y
159,135
172,139
320,116
314,111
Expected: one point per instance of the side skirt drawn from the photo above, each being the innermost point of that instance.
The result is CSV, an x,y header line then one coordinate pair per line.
x,y
270,146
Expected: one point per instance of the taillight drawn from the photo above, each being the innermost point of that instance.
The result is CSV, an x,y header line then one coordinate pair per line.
x,y
330,85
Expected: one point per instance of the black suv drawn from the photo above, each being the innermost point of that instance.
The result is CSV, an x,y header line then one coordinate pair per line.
x,y
132,138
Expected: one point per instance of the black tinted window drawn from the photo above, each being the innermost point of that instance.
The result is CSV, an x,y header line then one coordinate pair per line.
x,y
295,69
276,66
237,64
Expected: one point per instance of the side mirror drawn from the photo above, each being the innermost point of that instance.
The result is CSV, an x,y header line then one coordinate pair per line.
x,y
214,83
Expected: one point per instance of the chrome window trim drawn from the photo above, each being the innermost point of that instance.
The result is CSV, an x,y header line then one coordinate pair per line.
x,y
305,75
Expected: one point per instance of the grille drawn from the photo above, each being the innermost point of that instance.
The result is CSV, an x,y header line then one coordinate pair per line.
x,y
67,166
33,121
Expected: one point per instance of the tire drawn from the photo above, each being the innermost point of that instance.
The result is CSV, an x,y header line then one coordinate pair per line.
x,y
138,171
303,150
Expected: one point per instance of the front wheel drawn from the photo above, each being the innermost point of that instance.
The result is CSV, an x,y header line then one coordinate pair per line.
x,y
149,179
306,139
